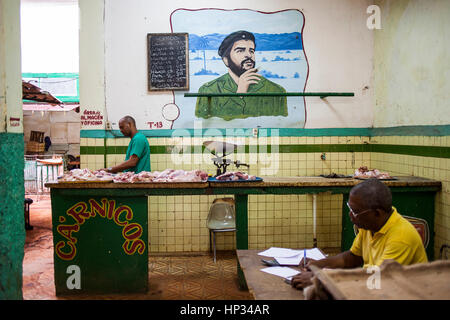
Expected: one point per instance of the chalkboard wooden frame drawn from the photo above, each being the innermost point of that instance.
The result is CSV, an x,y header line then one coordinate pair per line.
x,y
166,86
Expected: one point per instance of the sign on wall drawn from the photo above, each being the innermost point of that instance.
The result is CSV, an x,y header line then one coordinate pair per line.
x,y
168,61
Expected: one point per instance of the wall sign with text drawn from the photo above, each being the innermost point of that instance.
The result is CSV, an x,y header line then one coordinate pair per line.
x,y
168,61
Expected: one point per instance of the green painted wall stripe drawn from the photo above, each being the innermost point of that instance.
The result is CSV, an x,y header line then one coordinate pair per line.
x,y
323,148
323,132
303,148
244,132
440,130
424,151
93,150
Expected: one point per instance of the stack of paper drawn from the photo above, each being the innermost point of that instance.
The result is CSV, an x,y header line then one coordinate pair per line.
x,y
295,260
290,257
279,252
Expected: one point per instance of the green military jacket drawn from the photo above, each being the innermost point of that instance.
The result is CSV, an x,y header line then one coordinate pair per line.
x,y
229,108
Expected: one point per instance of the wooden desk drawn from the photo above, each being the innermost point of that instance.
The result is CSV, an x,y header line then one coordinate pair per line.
x,y
262,285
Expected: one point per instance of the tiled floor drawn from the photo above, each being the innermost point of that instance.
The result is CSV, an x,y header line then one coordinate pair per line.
x,y
170,277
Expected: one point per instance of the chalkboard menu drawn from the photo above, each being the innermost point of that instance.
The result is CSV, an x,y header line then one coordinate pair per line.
x,y
168,61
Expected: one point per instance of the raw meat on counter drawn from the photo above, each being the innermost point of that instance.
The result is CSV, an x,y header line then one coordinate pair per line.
x,y
235,176
168,175
364,173
125,177
85,175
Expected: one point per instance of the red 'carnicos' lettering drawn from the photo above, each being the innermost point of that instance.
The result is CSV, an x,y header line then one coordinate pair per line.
x,y
134,246
132,231
65,256
119,210
122,216
78,212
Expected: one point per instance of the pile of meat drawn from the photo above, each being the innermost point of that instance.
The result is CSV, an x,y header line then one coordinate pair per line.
x,y
168,175
86,175
235,176
365,173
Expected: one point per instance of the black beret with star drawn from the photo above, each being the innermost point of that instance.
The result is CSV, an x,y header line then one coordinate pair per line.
x,y
229,40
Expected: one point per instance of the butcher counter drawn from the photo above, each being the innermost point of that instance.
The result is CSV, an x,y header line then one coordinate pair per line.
x,y
100,230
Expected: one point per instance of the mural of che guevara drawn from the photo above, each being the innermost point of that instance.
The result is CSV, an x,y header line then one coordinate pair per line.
x,y
237,51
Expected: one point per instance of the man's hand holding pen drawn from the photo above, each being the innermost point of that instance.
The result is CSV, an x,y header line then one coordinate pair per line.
x,y
303,279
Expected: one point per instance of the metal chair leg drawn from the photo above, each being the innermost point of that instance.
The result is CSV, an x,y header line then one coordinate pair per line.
x,y
214,244
210,241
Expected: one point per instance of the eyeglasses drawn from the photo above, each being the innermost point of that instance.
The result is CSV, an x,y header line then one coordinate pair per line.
x,y
357,214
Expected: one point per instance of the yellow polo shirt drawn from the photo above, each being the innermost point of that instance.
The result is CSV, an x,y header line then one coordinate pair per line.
x,y
397,239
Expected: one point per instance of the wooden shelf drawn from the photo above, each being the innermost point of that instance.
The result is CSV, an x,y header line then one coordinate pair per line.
x,y
276,94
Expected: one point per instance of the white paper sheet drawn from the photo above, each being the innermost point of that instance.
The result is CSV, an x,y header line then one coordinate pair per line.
x,y
295,260
284,272
290,261
279,252
315,254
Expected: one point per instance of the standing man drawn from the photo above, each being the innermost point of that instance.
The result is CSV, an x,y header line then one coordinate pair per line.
x,y
137,158
238,54
383,234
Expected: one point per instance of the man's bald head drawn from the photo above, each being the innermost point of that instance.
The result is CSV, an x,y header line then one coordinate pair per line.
x,y
127,126
375,194
129,119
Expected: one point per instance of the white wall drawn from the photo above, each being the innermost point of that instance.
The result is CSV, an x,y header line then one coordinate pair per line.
x,y
92,58
337,43
10,73
339,47
412,63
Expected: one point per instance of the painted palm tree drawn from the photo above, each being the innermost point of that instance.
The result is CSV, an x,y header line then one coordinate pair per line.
x,y
204,45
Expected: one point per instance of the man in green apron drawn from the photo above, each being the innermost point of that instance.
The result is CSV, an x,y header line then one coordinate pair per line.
x,y
137,158
238,54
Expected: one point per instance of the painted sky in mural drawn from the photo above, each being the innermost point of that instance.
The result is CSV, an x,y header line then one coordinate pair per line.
x,y
278,55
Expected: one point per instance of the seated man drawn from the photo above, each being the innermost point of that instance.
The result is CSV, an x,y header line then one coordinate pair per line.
x,y
383,234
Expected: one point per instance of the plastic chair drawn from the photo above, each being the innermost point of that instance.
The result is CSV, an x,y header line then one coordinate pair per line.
x,y
422,228
221,218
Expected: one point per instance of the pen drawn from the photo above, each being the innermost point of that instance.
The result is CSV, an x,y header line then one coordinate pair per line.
x,y
304,258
